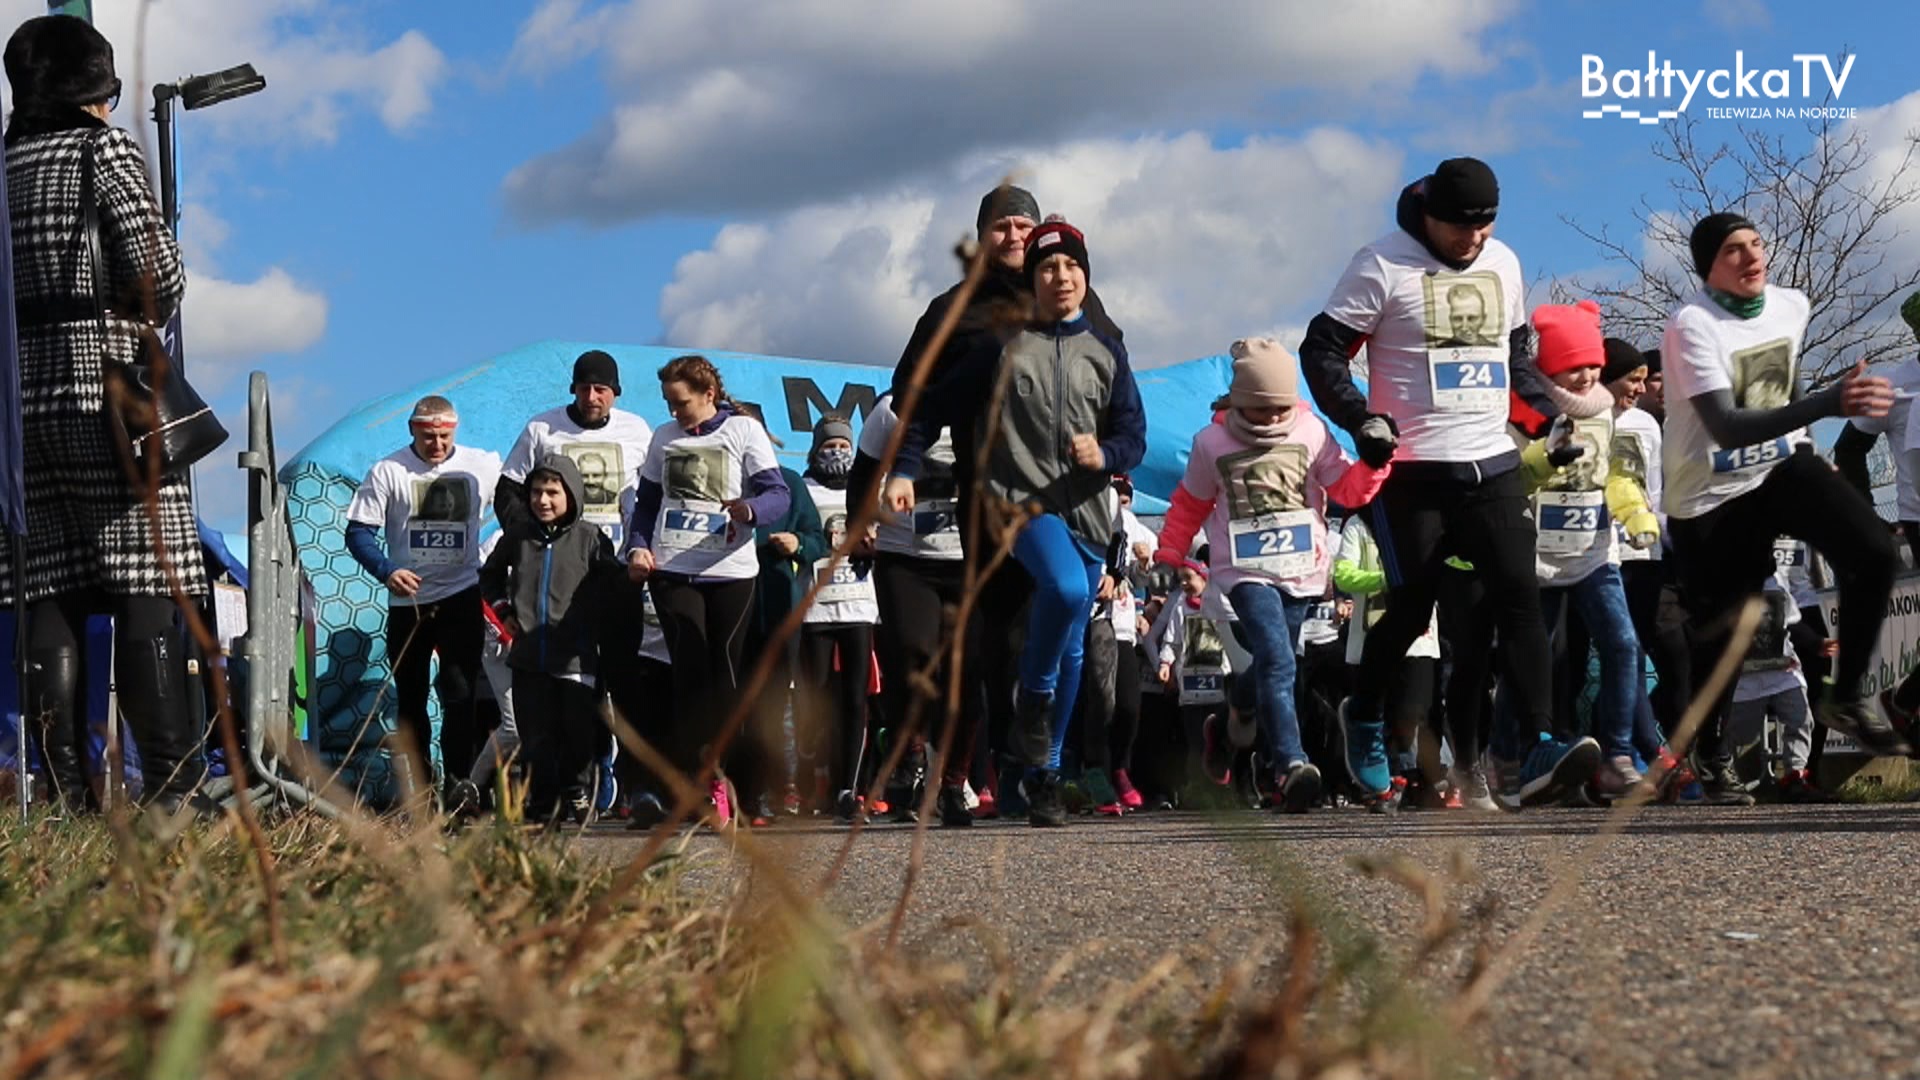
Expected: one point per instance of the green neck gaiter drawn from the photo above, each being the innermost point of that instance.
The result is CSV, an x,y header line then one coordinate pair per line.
x,y
1739,307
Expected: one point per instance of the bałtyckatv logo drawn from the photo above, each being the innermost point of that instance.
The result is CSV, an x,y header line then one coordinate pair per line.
x,y
1807,89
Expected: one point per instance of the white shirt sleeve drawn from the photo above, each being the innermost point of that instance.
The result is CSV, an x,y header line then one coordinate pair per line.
x,y
1360,297
369,505
1690,357
756,450
520,458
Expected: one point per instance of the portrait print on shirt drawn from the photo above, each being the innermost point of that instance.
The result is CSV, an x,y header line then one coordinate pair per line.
x,y
1763,375
1464,310
443,498
1263,479
1629,456
697,472
1588,472
602,474
1204,647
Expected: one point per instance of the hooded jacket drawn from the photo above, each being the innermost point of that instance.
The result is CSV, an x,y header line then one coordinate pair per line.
x,y
552,581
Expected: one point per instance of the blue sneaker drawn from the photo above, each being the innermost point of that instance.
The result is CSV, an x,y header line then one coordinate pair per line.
x,y
1555,768
1367,754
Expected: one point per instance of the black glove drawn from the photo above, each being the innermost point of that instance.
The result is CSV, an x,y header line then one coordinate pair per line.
x,y
1563,456
1376,440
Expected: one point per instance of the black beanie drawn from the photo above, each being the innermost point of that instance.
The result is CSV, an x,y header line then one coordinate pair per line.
x,y
1707,237
1008,201
1462,191
1622,360
1056,237
1652,357
596,368
59,60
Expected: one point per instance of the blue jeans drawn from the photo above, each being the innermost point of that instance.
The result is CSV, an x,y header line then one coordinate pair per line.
x,y
1065,578
1271,622
1601,603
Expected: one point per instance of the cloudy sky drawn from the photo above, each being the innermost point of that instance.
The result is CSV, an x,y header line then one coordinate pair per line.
x,y
423,186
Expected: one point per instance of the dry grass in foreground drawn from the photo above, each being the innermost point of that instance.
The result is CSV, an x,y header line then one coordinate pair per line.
x,y
422,956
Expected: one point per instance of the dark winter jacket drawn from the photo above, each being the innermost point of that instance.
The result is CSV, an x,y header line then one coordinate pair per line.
x,y
1063,379
553,581
784,579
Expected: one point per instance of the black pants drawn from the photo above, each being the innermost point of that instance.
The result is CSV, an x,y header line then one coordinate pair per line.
x,y
1322,679
1424,514
705,623
642,692
918,601
1000,619
150,667
560,729
454,628
1726,555
832,708
1109,703
1653,602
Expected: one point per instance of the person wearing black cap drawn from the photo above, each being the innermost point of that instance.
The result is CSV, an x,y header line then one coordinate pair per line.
x,y
1738,475
1440,306
607,444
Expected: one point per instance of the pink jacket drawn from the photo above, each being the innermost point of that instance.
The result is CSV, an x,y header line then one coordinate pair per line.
x,y
1305,471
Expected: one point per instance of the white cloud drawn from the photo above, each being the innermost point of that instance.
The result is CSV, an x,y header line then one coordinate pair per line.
x,y
855,96
227,324
318,65
1191,246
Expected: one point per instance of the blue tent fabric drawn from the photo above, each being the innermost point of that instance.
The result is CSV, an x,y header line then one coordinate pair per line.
x,y
220,558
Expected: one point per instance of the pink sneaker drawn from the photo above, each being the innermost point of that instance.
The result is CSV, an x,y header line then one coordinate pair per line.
x,y
722,805
1129,796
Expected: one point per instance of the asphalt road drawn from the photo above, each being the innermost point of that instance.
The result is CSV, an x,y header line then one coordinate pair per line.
x,y
1772,941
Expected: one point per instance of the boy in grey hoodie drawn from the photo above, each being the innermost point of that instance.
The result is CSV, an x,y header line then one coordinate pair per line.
x,y
546,580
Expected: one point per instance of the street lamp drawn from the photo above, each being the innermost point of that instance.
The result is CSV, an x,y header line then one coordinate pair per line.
x,y
193,92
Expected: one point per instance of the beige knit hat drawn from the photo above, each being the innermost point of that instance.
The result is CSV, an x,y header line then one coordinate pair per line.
x,y
1264,375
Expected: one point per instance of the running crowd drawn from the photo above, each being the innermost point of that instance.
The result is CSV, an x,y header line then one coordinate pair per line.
x,y
1305,629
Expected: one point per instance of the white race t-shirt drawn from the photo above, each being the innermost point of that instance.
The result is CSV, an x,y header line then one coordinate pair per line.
x,y
692,534
608,457
1707,348
848,597
1898,427
1636,448
1436,343
933,531
430,515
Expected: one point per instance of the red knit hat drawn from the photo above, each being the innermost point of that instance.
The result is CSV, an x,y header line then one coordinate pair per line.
x,y
1569,337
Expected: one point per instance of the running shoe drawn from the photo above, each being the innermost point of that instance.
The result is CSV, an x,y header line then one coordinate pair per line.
x,y
579,806
644,811
1553,768
1298,788
1044,807
722,804
1216,755
846,807
953,807
463,799
1366,753
1100,792
1130,797
1865,724
1797,786
984,806
763,815
790,802
1617,777
1475,794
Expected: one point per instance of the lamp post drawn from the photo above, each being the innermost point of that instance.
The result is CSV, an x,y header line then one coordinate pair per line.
x,y
193,92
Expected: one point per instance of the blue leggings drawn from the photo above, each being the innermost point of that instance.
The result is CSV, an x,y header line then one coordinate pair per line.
x,y
1065,578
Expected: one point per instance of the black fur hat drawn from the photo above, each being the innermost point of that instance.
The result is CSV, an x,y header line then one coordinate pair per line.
x,y
59,60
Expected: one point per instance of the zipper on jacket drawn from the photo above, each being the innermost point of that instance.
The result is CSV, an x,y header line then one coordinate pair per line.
x,y
546,579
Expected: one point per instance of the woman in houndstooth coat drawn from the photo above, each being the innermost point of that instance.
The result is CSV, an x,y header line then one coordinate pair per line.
x,y
90,544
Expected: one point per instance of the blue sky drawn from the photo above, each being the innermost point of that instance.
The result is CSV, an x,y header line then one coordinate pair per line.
x,y
423,186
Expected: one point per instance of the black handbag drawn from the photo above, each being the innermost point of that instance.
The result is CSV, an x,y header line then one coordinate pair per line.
x,y
150,407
